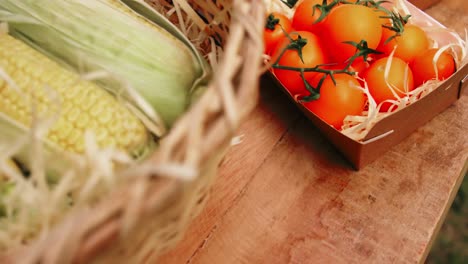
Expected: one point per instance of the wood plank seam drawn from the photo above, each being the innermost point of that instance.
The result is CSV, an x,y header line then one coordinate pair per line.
x,y
203,243
241,192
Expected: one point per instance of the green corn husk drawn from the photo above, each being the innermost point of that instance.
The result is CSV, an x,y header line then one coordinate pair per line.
x,y
105,35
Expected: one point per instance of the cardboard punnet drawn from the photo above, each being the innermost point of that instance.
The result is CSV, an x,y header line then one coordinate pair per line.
x,y
392,129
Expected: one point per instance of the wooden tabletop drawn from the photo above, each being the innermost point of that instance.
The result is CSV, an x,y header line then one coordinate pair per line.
x,y
285,195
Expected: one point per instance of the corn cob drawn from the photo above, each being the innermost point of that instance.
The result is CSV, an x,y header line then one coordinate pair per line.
x,y
82,105
107,35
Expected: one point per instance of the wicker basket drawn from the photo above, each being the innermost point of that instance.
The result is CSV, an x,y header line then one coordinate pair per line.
x,y
149,213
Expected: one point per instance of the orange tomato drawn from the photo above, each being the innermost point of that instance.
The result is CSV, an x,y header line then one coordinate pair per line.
x,y
337,101
424,70
306,15
411,43
351,23
312,55
400,77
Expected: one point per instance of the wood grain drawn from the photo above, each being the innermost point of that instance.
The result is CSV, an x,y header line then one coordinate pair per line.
x,y
285,195
267,124
307,206
451,13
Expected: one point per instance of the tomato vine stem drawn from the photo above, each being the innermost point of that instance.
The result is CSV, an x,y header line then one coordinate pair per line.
x,y
290,3
271,22
324,9
398,25
362,50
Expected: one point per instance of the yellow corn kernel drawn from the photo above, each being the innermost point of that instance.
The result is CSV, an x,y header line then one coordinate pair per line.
x,y
61,94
